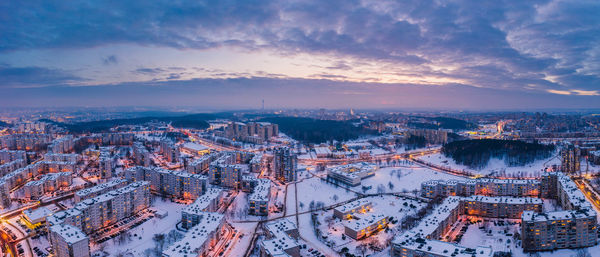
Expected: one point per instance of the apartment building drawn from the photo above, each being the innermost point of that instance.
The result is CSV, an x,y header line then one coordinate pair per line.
x,y
285,164
281,240
194,213
68,241
171,183
99,189
482,186
258,200
106,209
48,183
200,238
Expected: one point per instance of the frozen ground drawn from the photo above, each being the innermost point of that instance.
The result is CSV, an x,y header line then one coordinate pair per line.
x,y
391,206
495,166
317,190
140,238
401,178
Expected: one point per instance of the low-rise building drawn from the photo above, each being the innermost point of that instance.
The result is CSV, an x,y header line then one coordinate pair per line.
x,y
346,211
364,225
351,174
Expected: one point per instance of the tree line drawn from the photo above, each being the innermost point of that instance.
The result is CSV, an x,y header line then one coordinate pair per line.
x,y
477,153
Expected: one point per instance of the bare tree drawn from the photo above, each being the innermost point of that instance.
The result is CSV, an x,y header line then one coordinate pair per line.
x,y
583,253
361,249
159,241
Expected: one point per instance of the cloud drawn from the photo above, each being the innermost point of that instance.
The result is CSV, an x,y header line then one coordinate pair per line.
x,y
110,60
149,71
546,45
247,93
35,77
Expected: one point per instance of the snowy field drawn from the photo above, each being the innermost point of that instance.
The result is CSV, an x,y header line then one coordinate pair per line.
x,y
495,166
391,206
401,178
140,238
317,190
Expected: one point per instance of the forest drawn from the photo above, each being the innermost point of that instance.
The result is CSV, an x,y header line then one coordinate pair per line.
x,y
195,121
476,153
318,131
443,123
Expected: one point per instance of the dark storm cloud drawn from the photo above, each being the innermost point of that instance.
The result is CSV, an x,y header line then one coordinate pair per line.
x,y
508,45
35,77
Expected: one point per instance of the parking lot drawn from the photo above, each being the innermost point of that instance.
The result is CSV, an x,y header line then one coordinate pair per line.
x,y
122,226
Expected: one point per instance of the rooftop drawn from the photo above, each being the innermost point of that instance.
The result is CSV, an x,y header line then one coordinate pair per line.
x,y
69,233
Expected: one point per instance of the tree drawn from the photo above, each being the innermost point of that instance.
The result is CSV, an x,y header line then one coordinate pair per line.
x,y
583,253
159,241
335,198
380,189
361,249
391,185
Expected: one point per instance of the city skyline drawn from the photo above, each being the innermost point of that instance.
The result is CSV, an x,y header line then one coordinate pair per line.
x,y
457,55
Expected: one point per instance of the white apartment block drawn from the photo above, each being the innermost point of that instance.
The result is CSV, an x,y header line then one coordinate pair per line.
x,y
482,186
104,210
12,155
99,189
200,238
56,157
48,183
27,142
285,164
194,213
68,241
175,184
141,155
11,166
258,200
281,239
62,145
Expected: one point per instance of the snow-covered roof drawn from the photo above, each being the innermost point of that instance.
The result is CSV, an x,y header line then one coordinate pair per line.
x,y
100,188
440,248
504,199
48,177
530,216
37,214
261,191
196,236
68,233
353,205
203,201
364,221
194,146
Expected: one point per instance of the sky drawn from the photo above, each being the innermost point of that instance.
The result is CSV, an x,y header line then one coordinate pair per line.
x,y
471,55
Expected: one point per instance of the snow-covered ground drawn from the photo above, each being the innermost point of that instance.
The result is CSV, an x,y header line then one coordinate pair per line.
x,y
391,206
140,238
317,190
402,179
495,166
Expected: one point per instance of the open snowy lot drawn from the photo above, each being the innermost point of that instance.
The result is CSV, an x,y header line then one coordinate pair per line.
x,y
495,166
401,179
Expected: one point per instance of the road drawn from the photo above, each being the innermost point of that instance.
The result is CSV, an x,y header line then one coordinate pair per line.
x,y
7,243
